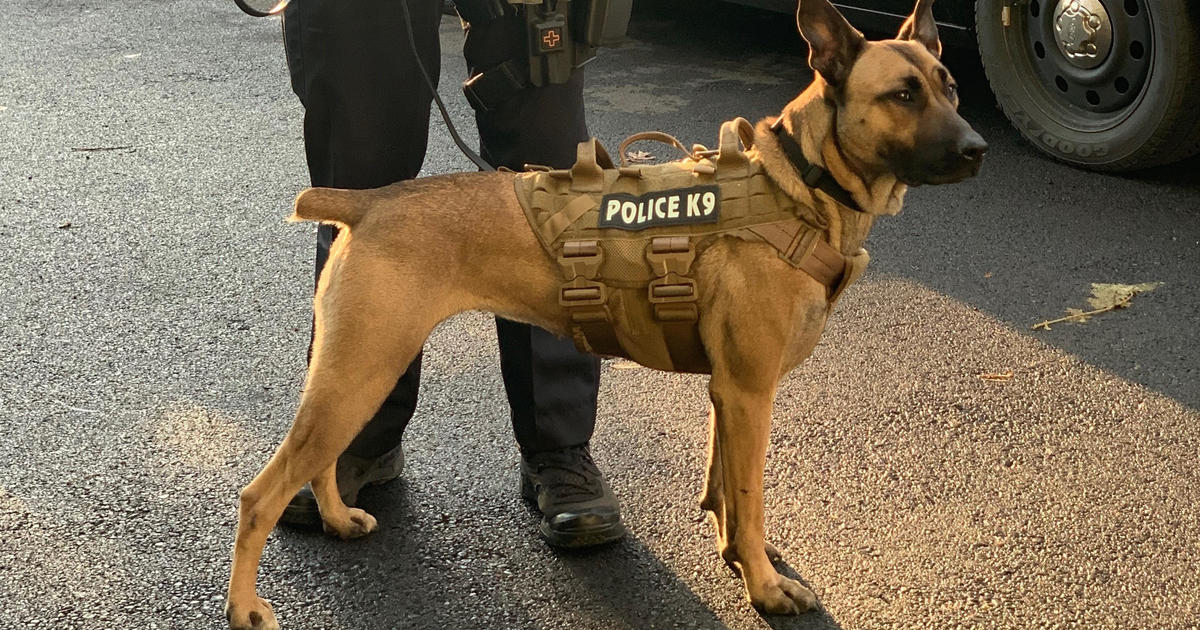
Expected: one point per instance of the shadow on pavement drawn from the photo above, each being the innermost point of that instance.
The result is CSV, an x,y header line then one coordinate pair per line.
x,y
427,569
609,571
636,590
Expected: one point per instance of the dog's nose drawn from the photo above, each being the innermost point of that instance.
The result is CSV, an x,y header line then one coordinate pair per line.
x,y
972,147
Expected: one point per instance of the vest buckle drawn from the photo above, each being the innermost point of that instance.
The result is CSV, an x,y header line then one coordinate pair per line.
x,y
581,259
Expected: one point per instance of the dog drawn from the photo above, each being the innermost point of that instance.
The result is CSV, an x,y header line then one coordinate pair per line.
x,y
879,116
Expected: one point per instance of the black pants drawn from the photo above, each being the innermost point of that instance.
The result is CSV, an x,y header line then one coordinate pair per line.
x,y
366,124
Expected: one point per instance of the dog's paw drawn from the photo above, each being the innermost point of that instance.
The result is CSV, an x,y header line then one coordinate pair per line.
x,y
784,597
356,524
256,616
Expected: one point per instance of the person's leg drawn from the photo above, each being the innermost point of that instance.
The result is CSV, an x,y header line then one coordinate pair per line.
x,y
366,121
551,386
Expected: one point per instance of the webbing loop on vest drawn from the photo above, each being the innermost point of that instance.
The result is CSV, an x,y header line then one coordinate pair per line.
x,y
587,175
557,223
732,160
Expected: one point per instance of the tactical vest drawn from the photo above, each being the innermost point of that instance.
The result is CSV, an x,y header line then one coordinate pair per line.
x,y
626,239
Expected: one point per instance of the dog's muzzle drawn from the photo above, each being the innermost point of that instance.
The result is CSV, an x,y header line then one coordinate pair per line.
x,y
948,161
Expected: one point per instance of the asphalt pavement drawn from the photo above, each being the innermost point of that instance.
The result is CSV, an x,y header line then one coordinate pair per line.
x,y
936,464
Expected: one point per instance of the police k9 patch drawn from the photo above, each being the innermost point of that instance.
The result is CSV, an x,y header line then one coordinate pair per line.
x,y
681,206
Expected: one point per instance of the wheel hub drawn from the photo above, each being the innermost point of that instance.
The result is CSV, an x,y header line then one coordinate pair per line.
x,y
1083,31
1092,56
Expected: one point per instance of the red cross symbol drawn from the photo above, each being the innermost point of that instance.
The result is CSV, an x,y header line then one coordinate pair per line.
x,y
551,38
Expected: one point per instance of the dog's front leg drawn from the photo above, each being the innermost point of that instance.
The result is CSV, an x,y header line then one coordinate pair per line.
x,y
742,426
713,499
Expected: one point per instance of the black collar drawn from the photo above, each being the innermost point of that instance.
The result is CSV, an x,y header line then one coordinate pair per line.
x,y
814,176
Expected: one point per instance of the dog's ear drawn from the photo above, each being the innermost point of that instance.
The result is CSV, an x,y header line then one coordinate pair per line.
x,y
921,28
833,45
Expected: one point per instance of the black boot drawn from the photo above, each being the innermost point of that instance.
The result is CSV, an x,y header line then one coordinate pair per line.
x,y
578,508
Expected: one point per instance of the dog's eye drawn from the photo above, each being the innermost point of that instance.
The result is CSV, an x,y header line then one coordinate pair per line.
x,y
952,90
904,96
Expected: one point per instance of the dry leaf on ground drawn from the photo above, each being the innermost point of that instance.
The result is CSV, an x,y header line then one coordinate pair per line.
x,y
639,157
1117,295
1105,297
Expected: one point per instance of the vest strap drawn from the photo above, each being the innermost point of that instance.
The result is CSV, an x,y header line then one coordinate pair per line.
x,y
585,299
855,266
673,296
557,223
803,248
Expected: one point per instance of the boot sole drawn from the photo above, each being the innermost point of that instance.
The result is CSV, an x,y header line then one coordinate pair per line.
x,y
579,540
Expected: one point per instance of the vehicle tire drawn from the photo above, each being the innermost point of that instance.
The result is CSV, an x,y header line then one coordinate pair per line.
x,y
1113,87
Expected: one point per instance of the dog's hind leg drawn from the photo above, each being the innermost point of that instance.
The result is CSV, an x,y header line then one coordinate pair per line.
x,y
336,517
361,347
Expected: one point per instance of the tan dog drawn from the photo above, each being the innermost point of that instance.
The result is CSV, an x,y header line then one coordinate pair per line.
x,y
879,116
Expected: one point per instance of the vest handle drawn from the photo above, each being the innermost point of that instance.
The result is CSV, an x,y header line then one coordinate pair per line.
x,y
656,136
737,135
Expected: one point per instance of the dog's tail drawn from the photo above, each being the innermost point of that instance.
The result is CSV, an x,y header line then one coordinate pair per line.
x,y
330,205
